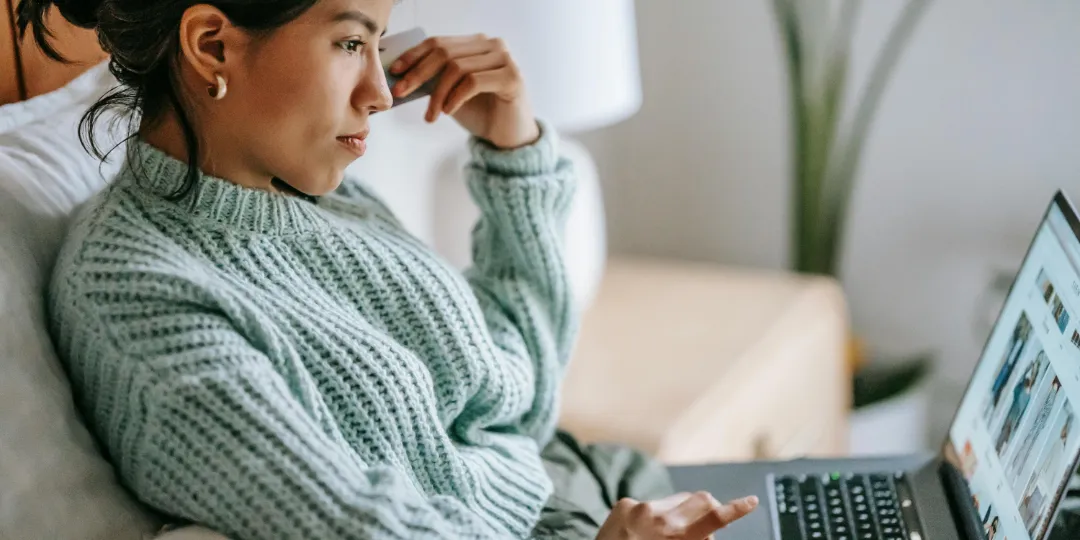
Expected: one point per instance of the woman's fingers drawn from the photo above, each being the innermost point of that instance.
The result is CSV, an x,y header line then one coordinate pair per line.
x,y
476,80
456,70
413,55
735,510
427,59
683,516
690,518
500,82
701,515
670,502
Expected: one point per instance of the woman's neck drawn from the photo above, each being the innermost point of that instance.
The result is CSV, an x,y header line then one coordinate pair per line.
x,y
216,160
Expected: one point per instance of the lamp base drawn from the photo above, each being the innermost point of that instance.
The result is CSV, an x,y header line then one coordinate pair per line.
x,y
585,235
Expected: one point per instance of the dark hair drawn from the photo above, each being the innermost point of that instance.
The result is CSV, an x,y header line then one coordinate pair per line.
x,y
142,38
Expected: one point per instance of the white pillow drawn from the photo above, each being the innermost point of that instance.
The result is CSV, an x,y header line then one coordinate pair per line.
x,y
54,482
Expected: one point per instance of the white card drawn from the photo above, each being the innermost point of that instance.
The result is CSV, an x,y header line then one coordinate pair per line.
x,y
396,45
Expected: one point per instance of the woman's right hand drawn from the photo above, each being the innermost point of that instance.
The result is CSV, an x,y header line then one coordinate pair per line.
x,y
683,516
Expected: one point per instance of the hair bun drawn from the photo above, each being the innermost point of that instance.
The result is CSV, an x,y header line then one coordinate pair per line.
x,y
82,13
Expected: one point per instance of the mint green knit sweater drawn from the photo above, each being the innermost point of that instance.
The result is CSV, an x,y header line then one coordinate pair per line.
x,y
276,368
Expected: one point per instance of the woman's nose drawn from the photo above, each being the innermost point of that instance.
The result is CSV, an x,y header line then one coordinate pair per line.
x,y
385,99
373,94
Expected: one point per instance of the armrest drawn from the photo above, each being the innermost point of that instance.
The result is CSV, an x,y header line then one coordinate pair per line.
x,y
698,363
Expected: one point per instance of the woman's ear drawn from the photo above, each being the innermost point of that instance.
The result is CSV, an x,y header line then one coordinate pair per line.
x,y
209,42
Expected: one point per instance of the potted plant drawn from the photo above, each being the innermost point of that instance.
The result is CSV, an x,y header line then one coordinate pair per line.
x,y
827,146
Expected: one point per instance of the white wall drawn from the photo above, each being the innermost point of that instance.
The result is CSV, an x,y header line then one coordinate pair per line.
x,y
980,125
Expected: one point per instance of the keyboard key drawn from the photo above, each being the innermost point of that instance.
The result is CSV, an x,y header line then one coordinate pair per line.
x,y
790,522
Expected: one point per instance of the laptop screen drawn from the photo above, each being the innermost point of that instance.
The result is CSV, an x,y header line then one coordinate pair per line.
x,y
1016,435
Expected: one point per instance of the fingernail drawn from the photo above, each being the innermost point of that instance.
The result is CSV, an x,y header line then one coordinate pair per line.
x,y
397,65
398,89
751,500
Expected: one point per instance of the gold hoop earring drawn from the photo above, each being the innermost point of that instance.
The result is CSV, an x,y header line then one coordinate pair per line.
x,y
218,91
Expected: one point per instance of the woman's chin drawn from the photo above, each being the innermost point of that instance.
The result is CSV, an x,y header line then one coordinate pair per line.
x,y
317,187
333,182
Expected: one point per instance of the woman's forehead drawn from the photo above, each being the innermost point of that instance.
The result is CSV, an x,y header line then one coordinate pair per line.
x,y
375,10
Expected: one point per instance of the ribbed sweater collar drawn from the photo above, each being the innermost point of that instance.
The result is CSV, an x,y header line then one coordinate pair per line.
x,y
237,207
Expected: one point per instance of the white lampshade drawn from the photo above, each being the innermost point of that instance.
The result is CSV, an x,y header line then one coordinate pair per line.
x,y
580,63
579,57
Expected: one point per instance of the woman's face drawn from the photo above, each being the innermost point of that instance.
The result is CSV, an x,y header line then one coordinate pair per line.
x,y
297,105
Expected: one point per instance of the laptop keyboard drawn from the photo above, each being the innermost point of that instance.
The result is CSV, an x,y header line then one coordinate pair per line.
x,y
843,507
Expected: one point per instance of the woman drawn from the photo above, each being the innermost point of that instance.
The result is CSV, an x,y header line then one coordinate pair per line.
x,y
260,346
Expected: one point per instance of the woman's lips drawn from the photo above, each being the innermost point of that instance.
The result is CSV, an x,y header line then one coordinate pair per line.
x,y
354,144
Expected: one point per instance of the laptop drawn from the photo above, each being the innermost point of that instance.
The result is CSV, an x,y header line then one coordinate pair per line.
x,y
1012,447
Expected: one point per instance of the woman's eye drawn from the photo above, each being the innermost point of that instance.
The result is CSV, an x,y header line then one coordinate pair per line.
x,y
351,46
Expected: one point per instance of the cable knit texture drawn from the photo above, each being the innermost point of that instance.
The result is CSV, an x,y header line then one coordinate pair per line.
x,y
272,367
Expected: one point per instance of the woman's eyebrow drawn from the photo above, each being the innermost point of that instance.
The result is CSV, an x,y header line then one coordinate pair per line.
x,y
360,17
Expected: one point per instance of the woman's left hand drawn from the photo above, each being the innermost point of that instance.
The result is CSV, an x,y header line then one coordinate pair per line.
x,y
480,86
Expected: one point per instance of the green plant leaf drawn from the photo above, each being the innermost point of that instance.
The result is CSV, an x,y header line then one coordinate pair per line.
x,y
836,68
848,152
877,382
791,38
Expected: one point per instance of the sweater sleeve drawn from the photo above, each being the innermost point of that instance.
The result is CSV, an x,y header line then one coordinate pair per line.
x,y
518,272
202,426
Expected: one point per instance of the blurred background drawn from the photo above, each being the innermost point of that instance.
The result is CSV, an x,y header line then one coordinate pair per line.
x,y
975,130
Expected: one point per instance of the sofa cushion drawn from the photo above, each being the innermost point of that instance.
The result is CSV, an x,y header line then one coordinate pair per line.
x,y
55,483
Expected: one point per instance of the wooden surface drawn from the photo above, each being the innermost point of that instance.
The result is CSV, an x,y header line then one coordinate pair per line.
x,y
699,363
38,73
42,74
9,69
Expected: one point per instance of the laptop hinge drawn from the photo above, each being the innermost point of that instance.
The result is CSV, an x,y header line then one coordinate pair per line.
x,y
967,518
